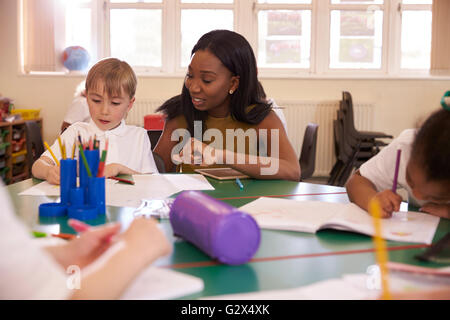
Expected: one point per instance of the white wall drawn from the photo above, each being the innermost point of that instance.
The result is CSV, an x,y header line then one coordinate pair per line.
x,y
399,103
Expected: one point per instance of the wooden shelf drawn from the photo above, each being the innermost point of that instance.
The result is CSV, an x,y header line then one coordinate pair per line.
x,y
20,170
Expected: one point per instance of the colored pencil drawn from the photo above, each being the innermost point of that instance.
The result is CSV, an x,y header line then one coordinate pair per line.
x,y
397,166
88,170
65,236
73,149
51,152
122,180
60,147
380,248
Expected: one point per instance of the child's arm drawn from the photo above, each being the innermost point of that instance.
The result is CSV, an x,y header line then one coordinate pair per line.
x,y
143,243
113,169
361,190
44,168
137,247
440,210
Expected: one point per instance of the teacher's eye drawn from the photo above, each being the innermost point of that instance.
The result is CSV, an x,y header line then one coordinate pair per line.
x,y
189,76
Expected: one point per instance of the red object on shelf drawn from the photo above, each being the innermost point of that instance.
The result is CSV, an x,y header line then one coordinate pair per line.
x,y
154,121
17,145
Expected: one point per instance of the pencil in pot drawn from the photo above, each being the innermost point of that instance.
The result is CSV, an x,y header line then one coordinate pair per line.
x,y
88,170
101,165
51,152
380,248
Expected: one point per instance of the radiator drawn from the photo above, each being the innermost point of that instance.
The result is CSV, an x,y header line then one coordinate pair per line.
x,y
297,114
141,108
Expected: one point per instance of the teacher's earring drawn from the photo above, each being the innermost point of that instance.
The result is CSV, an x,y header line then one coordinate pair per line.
x,y
231,91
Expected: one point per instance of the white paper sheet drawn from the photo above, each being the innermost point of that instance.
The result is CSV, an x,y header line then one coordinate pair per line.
x,y
159,283
310,216
147,186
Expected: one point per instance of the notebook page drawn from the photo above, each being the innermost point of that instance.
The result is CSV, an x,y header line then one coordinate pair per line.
x,y
284,214
409,226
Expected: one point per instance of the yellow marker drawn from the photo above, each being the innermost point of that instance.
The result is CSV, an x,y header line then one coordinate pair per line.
x,y
73,149
60,145
51,152
64,156
380,248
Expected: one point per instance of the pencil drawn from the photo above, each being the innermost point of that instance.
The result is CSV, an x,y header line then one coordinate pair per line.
x,y
65,236
239,183
122,180
397,166
51,152
380,248
86,165
73,149
60,146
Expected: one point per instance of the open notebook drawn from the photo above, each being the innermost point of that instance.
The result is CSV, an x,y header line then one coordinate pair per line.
x,y
311,216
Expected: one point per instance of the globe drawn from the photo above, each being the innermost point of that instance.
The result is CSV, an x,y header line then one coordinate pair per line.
x,y
75,58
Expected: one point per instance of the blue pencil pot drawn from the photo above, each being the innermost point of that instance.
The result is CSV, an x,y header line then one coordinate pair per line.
x,y
96,193
93,159
68,174
76,197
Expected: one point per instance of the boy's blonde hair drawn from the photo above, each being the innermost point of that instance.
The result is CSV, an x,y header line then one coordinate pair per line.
x,y
116,76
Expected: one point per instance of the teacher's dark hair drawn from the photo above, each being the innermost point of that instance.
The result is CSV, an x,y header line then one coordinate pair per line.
x,y
236,54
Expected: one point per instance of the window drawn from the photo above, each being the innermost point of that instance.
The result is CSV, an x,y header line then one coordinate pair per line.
x,y
289,37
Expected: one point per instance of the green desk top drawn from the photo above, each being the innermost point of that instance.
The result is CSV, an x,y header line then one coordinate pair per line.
x,y
284,260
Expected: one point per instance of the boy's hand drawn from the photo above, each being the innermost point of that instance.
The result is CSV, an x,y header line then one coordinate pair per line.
x,y
113,169
53,175
389,202
440,210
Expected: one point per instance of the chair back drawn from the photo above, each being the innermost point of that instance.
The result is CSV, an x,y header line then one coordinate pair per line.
x,y
159,162
34,143
308,154
154,135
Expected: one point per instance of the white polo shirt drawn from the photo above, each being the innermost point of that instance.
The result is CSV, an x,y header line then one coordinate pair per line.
x,y
26,270
128,145
381,168
78,111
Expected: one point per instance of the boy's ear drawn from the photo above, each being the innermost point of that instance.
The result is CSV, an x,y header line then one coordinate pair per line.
x,y
130,105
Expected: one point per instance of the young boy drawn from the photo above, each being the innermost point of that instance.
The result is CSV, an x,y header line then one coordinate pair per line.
x,y
110,89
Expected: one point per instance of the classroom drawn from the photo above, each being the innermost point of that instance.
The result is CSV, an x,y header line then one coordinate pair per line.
x,y
356,88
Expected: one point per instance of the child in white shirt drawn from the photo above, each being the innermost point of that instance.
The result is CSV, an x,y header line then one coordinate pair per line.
x,y
30,271
424,170
110,89
78,110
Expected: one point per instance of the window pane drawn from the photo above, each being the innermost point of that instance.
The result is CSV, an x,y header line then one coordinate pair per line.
x,y
135,1
195,23
284,38
356,39
357,1
417,1
285,1
416,39
78,28
206,1
136,36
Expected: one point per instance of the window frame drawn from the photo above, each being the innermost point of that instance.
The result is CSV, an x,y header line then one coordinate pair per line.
x,y
247,10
